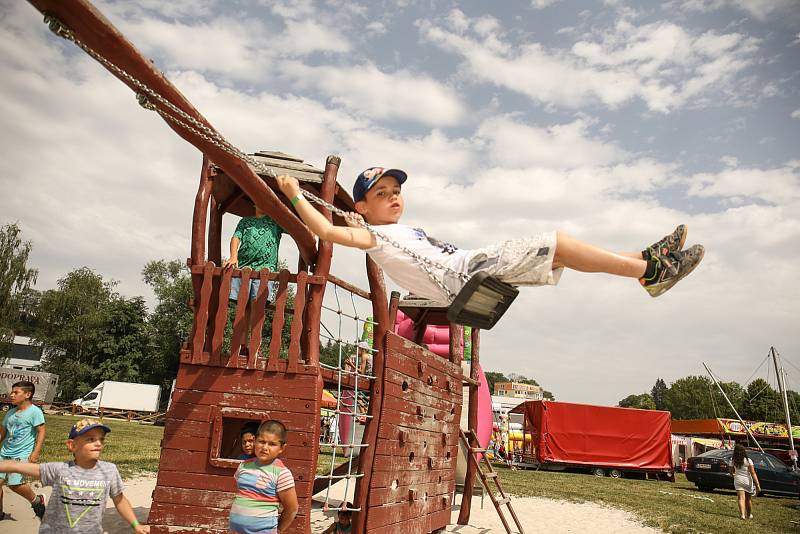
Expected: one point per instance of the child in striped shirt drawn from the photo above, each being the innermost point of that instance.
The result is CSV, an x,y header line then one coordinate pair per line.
x,y
264,485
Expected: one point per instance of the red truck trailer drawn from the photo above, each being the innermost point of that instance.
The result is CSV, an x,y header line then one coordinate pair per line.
x,y
600,439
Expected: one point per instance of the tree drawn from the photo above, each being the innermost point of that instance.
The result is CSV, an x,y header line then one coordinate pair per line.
x,y
794,406
762,403
691,398
492,377
70,320
15,280
659,393
522,379
643,402
171,320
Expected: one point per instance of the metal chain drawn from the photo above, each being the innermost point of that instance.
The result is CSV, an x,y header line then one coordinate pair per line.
x,y
212,136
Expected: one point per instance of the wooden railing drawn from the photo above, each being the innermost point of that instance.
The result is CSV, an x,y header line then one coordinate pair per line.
x,y
206,342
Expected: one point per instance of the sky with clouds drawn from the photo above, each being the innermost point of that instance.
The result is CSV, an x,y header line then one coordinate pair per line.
x,y
613,121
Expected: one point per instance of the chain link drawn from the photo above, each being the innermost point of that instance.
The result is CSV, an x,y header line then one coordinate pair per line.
x,y
145,97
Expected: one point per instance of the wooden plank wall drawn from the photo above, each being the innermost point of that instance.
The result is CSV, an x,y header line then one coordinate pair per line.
x,y
417,448
194,491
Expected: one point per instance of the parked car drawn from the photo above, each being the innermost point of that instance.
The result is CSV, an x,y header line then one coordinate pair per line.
x,y
711,470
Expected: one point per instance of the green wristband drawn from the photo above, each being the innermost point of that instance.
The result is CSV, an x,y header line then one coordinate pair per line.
x,y
296,199
134,524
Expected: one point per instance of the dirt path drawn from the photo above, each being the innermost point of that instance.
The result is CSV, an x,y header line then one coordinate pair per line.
x,y
536,514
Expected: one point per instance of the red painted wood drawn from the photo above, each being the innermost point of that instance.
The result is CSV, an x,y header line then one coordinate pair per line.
x,y
199,216
258,315
201,316
384,479
200,481
220,379
243,400
220,317
381,496
297,324
278,320
240,319
412,512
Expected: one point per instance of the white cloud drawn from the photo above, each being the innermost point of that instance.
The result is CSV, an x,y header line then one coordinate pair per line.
x,y
381,95
796,114
560,146
758,9
660,63
304,37
778,186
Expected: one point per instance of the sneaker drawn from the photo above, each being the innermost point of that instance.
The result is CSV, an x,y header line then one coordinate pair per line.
x,y
669,243
672,267
38,506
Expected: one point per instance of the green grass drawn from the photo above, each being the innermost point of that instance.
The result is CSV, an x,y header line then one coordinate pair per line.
x,y
673,507
134,447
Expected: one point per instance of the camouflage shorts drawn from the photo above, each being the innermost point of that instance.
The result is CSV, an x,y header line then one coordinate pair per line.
x,y
527,261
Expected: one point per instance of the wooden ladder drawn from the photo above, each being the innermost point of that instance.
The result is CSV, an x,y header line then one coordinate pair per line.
x,y
469,441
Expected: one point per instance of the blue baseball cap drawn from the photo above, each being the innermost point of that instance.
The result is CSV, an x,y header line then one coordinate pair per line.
x,y
370,177
85,425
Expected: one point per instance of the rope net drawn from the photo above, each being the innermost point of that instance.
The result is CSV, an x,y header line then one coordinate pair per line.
x,y
346,350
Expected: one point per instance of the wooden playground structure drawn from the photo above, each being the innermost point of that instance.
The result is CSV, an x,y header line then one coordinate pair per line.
x,y
404,474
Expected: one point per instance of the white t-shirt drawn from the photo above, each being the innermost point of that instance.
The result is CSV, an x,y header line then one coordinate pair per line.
x,y
407,273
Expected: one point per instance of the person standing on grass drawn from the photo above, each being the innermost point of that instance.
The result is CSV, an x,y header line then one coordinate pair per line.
x,y
80,486
745,481
22,435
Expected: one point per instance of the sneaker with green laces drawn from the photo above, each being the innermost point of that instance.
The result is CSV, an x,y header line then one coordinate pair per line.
x,y
671,268
669,243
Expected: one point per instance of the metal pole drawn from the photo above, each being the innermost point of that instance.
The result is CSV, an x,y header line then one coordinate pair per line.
x,y
739,417
782,388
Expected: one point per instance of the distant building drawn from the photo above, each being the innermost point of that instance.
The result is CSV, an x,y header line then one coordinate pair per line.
x,y
24,355
518,390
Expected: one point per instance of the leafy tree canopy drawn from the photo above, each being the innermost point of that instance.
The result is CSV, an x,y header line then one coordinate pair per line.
x,y
15,281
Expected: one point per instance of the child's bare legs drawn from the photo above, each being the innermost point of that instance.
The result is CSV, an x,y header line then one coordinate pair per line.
x,y
740,501
581,256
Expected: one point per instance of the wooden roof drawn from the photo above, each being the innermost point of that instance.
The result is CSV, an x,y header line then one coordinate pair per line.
x,y
233,199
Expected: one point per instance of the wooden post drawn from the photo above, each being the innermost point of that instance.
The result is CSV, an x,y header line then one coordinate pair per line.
x,y
472,424
200,216
380,311
313,314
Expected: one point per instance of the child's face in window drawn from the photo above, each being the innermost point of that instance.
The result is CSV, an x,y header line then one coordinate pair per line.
x,y
268,446
248,442
344,518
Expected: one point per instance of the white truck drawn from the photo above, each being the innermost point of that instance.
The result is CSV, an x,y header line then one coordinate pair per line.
x,y
46,385
122,396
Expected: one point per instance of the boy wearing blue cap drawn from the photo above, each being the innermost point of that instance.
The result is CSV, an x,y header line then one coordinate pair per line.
x,y
80,486
529,261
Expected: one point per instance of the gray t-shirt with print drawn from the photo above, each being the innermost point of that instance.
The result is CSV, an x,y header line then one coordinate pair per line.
x,y
79,496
